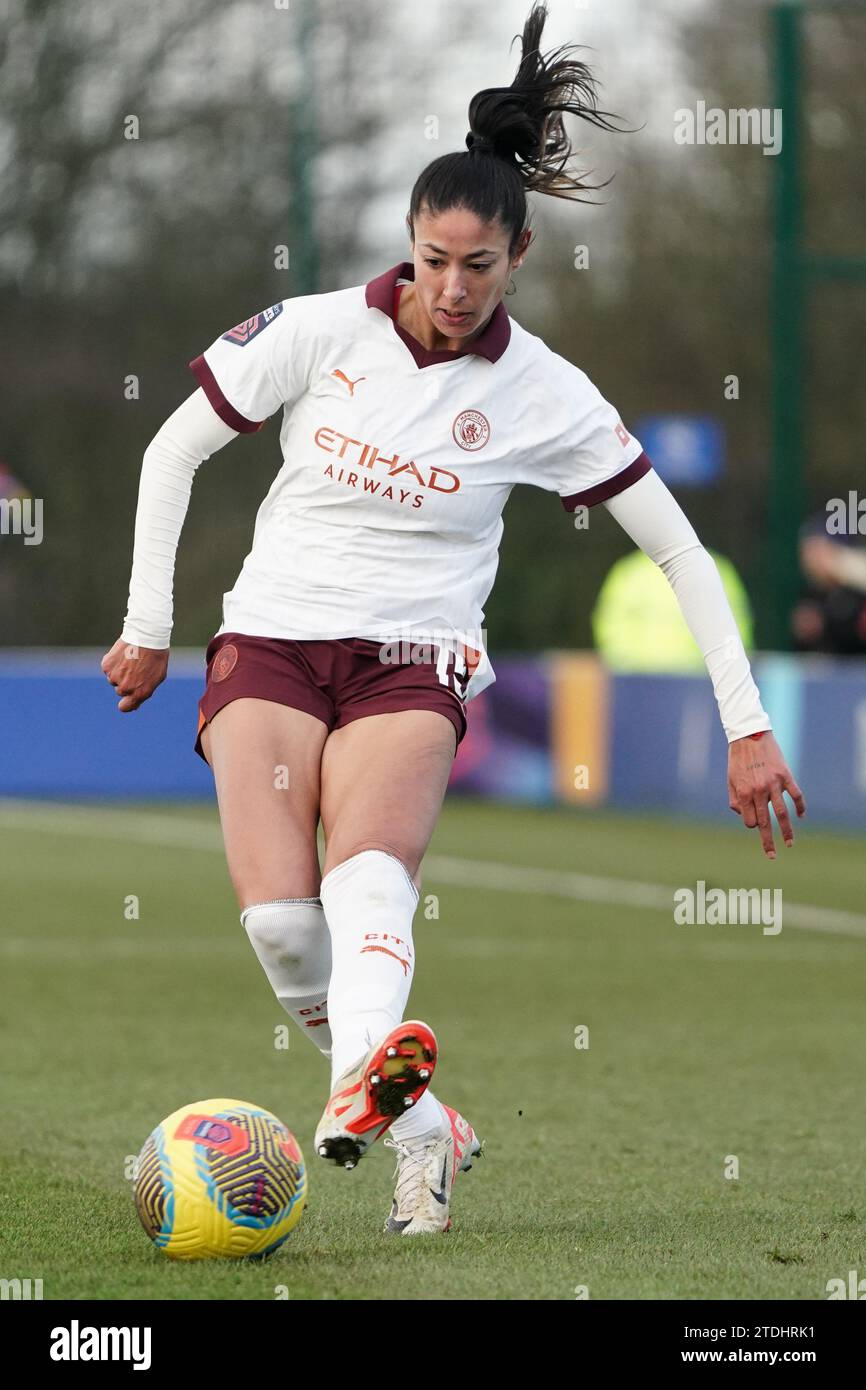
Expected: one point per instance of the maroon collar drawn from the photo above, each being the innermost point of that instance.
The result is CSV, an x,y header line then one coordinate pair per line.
x,y
490,344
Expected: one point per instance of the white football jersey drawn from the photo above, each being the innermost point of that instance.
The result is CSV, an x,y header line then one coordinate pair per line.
x,y
385,518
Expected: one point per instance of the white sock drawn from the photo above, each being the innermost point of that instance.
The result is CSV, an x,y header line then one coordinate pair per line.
x,y
425,1115
291,939
369,902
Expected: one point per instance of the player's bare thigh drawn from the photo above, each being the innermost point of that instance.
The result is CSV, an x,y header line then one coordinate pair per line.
x,y
266,759
384,779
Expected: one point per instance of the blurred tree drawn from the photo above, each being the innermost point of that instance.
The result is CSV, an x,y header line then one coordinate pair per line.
x,y
145,195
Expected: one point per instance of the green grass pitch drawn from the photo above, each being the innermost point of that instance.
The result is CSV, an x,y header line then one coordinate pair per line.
x,y
605,1166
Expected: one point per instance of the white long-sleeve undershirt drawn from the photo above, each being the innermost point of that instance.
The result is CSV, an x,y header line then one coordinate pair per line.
x,y
187,438
647,512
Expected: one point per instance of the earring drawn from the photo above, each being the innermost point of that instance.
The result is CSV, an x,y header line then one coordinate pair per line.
x,y
512,288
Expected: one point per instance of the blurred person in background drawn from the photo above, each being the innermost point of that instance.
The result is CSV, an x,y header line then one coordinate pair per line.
x,y
831,616
638,625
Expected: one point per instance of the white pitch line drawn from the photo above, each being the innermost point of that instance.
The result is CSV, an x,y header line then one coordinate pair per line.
x,y
149,828
185,833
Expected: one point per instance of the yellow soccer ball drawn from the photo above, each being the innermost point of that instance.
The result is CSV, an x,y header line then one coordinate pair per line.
x,y
220,1178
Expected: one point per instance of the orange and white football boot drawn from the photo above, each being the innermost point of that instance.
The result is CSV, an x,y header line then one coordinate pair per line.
x,y
425,1173
369,1097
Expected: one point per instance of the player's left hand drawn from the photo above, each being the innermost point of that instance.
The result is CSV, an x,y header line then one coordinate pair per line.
x,y
758,776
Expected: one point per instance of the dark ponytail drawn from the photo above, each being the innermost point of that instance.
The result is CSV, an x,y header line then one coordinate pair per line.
x,y
517,141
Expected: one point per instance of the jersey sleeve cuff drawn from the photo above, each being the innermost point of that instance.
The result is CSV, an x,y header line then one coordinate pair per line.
x,y
610,487
224,409
139,637
747,728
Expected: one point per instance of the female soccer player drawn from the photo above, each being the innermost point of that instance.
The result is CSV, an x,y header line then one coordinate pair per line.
x,y
410,408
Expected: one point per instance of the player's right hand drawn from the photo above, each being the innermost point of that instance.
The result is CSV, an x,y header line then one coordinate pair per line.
x,y
135,672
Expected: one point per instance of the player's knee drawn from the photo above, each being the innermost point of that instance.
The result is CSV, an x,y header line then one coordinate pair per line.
x,y
290,937
409,860
275,931
270,872
253,887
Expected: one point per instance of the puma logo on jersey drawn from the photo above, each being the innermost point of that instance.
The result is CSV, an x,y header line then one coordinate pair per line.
x,y
351,384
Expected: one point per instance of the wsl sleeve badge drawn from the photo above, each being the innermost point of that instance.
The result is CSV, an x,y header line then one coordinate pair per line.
x,y
244,332
220,1179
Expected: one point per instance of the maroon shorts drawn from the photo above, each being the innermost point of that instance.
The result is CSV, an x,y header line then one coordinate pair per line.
x,y
336,681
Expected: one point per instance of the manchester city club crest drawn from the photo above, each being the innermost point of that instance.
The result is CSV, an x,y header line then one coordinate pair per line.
x,y
224,662
471,429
